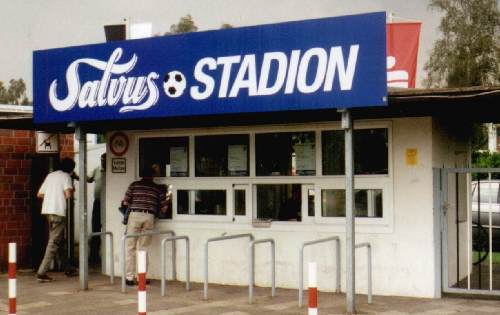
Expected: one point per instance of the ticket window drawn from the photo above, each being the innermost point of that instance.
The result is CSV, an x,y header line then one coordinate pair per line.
x,y
168,157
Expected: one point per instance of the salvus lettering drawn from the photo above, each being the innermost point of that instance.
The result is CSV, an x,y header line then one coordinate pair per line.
x,y
308,71
291,73
136,93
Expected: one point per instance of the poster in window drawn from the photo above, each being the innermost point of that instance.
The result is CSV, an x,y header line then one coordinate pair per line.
x,y
178,161
237,155
305,155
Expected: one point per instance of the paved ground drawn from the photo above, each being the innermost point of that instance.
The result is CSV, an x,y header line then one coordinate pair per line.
x,y
64,297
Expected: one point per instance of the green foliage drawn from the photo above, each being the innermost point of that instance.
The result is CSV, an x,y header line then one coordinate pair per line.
x,y
479,137
226,26
14,93
485,159
468,54
185,25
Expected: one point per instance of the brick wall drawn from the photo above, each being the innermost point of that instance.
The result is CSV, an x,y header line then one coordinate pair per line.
x,y
17,147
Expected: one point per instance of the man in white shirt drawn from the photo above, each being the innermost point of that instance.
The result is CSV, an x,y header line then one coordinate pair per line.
x,y
55,190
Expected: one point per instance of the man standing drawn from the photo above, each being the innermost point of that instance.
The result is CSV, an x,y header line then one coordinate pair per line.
x,y
55,190
145,200
98,176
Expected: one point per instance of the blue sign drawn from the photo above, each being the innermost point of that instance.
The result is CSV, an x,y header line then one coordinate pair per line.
x,y
315,64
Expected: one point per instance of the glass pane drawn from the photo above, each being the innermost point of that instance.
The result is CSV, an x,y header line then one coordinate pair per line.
x,y
333,161
371,153
222,155
367,203
183,201
333,203
285,154
167,156
168,193
279,202
310,202
239,202
205,202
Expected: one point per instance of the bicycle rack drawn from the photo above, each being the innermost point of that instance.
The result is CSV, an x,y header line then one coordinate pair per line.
x,y
216,239
123,240
369,264
163,262
111,253
251,266
301,263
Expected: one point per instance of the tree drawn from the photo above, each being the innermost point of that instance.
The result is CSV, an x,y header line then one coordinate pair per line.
x,y
15,93
226,26
468,54
185,25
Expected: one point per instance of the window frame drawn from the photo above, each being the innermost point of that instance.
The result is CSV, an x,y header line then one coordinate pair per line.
x,y
318,181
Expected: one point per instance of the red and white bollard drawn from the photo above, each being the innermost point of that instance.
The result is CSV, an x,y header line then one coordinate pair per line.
x,y
313,290
141,277
12,278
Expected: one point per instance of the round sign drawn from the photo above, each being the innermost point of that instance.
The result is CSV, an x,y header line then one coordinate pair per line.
x,y
118,143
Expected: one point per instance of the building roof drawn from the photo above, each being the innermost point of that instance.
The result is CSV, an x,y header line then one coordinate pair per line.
x,y
471,104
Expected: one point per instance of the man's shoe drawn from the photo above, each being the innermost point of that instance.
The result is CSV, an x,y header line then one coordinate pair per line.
x,y
129,282
44,278
71,273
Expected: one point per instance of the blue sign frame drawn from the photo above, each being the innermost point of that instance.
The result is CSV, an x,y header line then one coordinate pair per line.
x,y
325,63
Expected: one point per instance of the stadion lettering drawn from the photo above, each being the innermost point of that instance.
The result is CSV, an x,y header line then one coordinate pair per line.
x,y
140,93
199,73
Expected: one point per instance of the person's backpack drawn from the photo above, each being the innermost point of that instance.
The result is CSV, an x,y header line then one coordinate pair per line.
x,y
125,211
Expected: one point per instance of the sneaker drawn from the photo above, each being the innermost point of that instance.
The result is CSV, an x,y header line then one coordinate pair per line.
x,y
129,282
44,278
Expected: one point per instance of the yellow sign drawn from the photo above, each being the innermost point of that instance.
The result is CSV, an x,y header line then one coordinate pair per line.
x,y
411,157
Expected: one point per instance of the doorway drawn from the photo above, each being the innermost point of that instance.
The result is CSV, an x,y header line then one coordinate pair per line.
x,y
470,230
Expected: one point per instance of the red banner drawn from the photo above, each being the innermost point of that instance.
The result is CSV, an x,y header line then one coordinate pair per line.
x,y
402,51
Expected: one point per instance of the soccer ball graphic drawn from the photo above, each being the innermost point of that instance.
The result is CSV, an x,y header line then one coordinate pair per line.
x,y
174,84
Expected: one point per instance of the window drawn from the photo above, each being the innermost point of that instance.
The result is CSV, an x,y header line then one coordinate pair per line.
x,y
367,203
371,153
280,202
239,202
311,194
170,155
201,202
285,154
222,155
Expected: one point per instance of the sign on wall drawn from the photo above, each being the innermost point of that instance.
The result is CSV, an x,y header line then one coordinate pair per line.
x,y
47,142
118,165
314,64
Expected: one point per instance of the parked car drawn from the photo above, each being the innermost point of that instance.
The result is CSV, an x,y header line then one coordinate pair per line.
x,y
485,199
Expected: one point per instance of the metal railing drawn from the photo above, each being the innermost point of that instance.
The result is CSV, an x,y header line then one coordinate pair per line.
x,y
148,233
163,262
111,253
369,265
251,266
216,239
301,263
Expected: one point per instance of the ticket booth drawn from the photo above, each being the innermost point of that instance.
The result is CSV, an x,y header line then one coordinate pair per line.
x,y
244,127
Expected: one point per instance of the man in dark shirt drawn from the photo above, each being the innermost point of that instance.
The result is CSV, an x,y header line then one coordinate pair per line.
x,y
145,199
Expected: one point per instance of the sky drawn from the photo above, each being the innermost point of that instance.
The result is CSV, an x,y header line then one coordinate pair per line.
x,y
28,25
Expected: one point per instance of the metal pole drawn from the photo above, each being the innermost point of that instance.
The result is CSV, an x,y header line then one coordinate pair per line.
x,y
163,267
205,283
301,275
250,272
273,269
347,125
82,206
